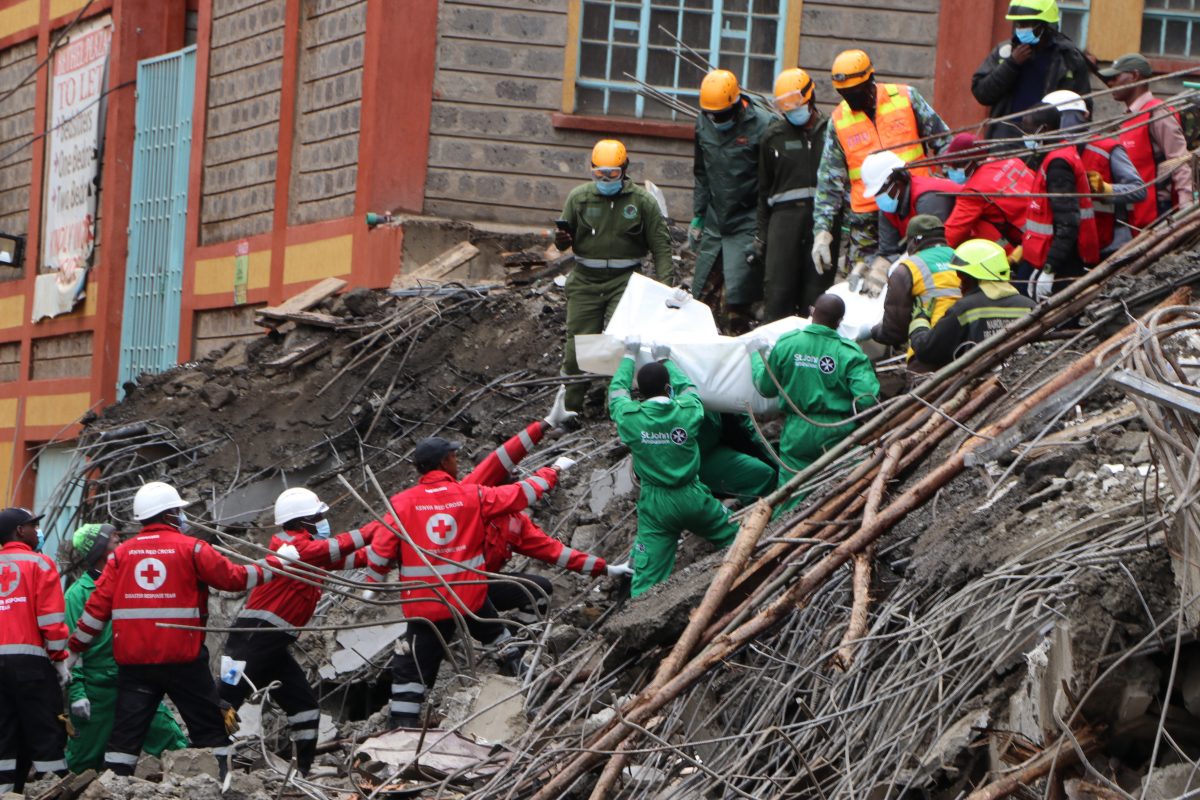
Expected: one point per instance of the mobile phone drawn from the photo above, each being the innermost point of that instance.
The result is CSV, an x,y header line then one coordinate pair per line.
x,y
562,225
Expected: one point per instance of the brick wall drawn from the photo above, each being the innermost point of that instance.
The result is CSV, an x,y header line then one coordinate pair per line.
x,y
16,128
242,130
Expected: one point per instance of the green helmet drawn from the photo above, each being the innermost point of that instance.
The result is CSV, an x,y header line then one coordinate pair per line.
x,y
1033,10
982,259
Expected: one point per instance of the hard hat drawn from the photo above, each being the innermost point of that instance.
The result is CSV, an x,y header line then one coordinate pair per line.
x,y
982,259
877,168
296,503
606,153
154,498
719,90
851,68
1033,11
1065,100
793,88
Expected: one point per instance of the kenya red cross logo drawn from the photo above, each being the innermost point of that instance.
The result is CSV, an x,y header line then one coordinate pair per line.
x,y
10,579
441,528
150,573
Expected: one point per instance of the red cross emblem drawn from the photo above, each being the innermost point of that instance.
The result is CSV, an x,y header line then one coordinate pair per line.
x,y
150,574
441,528
10,579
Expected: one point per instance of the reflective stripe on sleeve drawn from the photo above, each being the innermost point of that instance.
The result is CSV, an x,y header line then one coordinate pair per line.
x,y
90,621
505,458
54,645
564,557
265,616
1039,228
441,569
357,537
530,493
50,619
375,558
589,564
303,735
83,637
335,550
526,440
156,613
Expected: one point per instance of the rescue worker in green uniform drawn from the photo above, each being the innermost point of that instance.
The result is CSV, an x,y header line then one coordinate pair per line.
x,y
825,377
611,224
788,160
732,462
93,688
729,133
662,432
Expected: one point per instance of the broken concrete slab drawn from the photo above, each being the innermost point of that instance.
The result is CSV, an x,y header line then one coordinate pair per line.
x,y
608,485
498,712
360,646
439,751
189,762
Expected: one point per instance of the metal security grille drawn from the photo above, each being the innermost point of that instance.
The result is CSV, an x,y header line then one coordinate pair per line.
x,y
619,38
1171,28
157,214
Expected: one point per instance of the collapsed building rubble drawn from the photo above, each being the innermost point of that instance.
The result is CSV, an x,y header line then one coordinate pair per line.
x,y
990,586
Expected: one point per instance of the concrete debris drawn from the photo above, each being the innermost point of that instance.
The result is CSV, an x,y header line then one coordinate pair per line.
x,y
434,750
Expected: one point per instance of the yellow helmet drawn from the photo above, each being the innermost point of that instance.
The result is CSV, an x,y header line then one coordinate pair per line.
x,y
982,259
851,68
609,153
793,88
1033,11
719,90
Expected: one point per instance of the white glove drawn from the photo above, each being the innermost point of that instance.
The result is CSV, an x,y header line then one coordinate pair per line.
x,y
757,344
64,672
679,298
617,570
562,463
558,412
632,345
821,255
659,351
72,660
82,708
288,552
369,594
1044,286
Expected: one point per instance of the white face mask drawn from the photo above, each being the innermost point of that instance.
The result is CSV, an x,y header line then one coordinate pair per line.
x,y
323,529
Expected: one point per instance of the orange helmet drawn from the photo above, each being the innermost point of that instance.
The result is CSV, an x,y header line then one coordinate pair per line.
x,y
609,153
851,68
719,90
793,88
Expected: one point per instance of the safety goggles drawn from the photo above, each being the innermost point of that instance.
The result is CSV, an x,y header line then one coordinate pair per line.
x,y
606,173
793,100
842,77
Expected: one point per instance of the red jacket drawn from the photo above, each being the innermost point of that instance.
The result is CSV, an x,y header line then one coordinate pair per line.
x,y
160,575
290,603
993,204
1039,223
918,186
517,532
1135,138
445,519
1097,157
31,605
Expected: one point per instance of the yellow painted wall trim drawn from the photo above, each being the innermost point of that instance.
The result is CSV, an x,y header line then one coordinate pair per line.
x,y
313,261
791,33
1115,28
60,7
22,16
571,55
12,311
8,415
6,463
56,409
215,275
90,301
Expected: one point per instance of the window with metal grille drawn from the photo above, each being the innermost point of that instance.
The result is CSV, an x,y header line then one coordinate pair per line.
x,y
623,42
1171,28
1074,19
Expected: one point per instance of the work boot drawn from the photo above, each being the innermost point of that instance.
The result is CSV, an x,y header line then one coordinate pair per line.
x,y
512,664
405,721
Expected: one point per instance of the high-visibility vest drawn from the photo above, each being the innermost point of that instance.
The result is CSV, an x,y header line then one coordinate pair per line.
x,y
918,187
1039,223
895,128
933,281
1135,138
1097,157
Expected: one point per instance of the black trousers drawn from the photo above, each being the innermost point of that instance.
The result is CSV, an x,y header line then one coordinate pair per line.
x,y
791,282
515,595
30,702
140,688
268,658
415,667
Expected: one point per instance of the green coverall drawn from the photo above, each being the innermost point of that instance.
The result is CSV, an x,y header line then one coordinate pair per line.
x,y
727,470
95,678
662,435
827,377
725,197
610,236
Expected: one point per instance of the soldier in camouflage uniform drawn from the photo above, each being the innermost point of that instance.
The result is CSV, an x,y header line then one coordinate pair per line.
x,y
870,117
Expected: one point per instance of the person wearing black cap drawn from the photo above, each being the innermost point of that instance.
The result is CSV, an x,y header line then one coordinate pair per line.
x,y
33,654
436,532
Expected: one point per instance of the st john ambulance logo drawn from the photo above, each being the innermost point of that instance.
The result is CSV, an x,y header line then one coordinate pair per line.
x,y
827,365
679,436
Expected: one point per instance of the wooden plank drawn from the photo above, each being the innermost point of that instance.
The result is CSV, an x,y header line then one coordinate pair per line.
x,y
1115,28
308,298
305,317
303,354
439,268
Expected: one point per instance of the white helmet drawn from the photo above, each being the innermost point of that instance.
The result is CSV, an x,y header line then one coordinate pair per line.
x,y
296,503
154,498
877,168
1065,100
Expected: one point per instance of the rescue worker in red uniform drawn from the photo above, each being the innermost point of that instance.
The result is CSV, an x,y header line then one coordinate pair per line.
x,y
162,575
994,196
33,655
278,608
445,520
901,196
1060,241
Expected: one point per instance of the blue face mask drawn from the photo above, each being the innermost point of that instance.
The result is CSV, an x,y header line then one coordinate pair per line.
x,y
183,523
323,529
957,174
799,116
41,541
608,188
1030,143
887,204
1027,35
726,125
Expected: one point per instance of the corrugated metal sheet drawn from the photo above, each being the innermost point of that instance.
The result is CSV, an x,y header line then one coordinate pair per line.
x,y
157,214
